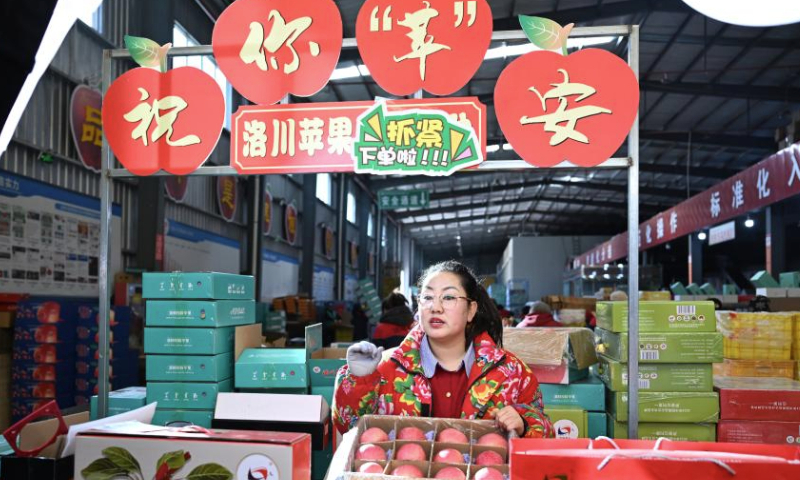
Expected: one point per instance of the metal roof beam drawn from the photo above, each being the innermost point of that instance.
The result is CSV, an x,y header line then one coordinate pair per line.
x,y
680,170
753,92
591,13
722,140
777,43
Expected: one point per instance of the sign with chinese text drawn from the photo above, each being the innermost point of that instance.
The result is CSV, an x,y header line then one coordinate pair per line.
x,y
290,223
163,121
87,125
328,241
353,254
431,45
176,187
394,199
319,137
267,210
769,181
722,233
413,141
268,49
227,195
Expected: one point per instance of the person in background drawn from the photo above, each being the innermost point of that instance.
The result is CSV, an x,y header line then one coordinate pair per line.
x,y
541,316
395,322
618,296
360,322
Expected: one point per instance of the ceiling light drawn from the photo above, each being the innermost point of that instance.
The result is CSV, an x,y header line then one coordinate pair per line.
x,y
492,148
507,146
605,267
606,276
352,71
506,51
749,223
702,236
764,13
620,266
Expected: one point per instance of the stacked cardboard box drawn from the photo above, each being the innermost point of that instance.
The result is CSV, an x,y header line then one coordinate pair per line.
x,y
121,401
758,410
369,299
756,344
578,409
189,338
677,346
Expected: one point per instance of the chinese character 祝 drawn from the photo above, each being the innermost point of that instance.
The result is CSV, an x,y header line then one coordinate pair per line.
x,y
145,114
715,205
282,34
738,194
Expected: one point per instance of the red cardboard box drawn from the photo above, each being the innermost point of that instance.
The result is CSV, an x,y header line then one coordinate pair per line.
x,y
736,431
756,398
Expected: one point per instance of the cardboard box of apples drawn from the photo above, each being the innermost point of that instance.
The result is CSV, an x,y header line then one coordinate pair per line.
x,y
388,447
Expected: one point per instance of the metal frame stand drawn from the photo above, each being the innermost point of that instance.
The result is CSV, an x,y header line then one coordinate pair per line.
x,y
109,173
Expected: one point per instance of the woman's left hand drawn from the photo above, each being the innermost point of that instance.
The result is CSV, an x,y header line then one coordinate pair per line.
x,y
509,419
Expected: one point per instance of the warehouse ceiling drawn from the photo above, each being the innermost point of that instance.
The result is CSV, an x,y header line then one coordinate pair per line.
x,y
712,96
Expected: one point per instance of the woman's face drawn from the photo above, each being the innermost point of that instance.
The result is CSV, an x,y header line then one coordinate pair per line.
x,y
444,309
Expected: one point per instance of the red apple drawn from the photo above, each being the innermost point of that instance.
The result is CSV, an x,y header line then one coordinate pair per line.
x,y
370,467
488,474
411,451
489,458
408,471
452,435
373,435
370,452
411,433
493,439
452,473
449,455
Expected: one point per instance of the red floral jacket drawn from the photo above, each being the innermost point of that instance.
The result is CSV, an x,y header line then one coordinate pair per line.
x,y
399,387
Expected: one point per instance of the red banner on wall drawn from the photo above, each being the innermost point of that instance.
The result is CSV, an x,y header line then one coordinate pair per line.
x,y
769,181
290,223
227,197
267,211
87,125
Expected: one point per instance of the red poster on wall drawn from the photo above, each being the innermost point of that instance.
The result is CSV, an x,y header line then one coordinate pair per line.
x,y
328,241
431,45
290,223
267,210
227,197
87,125
270,48
176,187
353,254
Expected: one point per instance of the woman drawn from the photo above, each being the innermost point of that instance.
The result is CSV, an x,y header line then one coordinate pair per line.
x,y
395,322
451,365
541,316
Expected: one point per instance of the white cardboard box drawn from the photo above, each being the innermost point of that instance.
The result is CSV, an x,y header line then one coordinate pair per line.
x,y
793,292
772,292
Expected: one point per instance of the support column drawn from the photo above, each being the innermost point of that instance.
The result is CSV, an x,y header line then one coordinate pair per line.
x,y
775,240
255,231
363,209
695,259
309,233
341,237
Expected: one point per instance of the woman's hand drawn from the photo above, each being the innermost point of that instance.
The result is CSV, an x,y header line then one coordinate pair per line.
x,y
510,420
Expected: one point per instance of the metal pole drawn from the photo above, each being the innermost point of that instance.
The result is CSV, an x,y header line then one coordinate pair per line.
x,y
341,236
378,248
102,274
633,253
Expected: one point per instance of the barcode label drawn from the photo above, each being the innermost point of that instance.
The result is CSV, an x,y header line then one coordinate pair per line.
x,y
644,384
648,355
687,309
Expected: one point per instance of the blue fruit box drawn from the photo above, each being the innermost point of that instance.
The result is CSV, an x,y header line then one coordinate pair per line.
x,y
27,352
45,372
45,333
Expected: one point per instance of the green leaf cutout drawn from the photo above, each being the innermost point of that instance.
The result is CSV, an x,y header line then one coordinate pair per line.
x,y
103,469
175,460
210,471
545,33
147,53
123,459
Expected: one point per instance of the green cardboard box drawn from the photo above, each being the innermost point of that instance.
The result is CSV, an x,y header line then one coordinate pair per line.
x,y
677,288
201,418
730,289
189,368
323,365
588,394
678,432
597,423
568,422
763,279
188,341
790,280
210,285
121,401
659,316
326,392
701,347
694,289
658,377
200,313
186,395
708,289
272,368
274,322
668,407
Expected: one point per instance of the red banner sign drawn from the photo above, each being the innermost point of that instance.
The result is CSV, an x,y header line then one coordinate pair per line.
x,y
176,187
290,223
319,137
327,241
87,125
769,181
267,211
227,197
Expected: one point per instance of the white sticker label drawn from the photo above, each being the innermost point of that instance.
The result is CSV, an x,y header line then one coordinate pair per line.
x,y
648,354
566,429
257,467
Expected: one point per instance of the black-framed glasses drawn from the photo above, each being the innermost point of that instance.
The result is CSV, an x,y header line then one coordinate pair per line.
x,y
447,300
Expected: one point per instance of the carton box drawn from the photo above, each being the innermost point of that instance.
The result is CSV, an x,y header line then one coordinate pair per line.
x,y
790,279
668,407
206,455
201,285
551,346
743,431
200,313
27,353
597,424
121,401
188,341
563,374
588,394
677,432
772,292
186,396
653,296
694,289
751,398
568,422
662,377
172,418
45,333
271,368
45,372
793,292
23,389
658,316
763,279
324,392
700,347
320,461
189,368
755,368
324,364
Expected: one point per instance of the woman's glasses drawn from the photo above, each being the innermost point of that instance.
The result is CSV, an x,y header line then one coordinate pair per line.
x,y
447,300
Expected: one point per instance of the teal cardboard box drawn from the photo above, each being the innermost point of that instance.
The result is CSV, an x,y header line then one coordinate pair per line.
x,y
121,401
597,423
208,285
790,280
186,396
170,418
188,341
200,313
323,365
588,394
271,368
763,279
326,392
189,368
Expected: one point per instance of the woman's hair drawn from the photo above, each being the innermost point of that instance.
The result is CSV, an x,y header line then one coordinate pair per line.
x,y
394,300
487,318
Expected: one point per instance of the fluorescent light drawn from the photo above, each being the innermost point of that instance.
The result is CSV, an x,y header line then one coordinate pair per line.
x,y
702,236
606,276
749,223
352,71
492,148
506,51
507,146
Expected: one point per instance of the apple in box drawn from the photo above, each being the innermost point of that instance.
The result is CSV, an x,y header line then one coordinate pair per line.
x,y
488,473
374,435
411,433
449,455
369,451
451,473
370,467
493,439
489,458
452,435
408,471
411,451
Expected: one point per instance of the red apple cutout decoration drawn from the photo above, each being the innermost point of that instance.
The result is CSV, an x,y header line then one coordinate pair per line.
x,y
370,467
494,440
488,474
489,458
449,455
451,473
452,435
370,452
411,451
374,435
411,433
408,471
